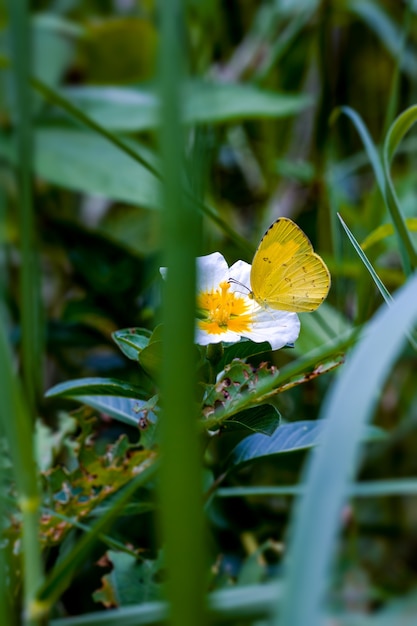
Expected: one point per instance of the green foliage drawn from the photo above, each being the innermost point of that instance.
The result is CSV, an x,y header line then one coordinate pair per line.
x,y
141,135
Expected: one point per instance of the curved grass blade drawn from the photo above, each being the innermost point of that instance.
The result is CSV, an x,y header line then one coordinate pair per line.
x,y
395,134
369,145
348,407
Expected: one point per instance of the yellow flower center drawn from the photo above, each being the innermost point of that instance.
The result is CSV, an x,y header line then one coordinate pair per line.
x,y
223,310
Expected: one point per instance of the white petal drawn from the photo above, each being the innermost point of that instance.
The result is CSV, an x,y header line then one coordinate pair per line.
x,y
212,269
279,328
240,272
203,338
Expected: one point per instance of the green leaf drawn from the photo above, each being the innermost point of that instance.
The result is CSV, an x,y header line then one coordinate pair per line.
x,y
128,109
288,438
87,162
132,341
94,386
261,419
240,386
137,413
53,42
150,359
242,349
62,573
130,581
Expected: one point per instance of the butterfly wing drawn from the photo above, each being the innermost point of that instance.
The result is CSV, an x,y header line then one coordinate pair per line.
x,y
286,273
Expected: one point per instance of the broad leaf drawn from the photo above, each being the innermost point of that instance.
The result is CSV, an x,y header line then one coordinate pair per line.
x,y
86,162
287,438
96,386
130,581
137,413
261,419
128,109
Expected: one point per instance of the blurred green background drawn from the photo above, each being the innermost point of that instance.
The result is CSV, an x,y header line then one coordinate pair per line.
x,y
82,237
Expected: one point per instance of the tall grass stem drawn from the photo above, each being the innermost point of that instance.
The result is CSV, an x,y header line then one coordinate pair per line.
x,y
181,481
31,334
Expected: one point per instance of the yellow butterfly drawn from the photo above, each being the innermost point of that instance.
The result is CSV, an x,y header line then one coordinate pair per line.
x,y
286,273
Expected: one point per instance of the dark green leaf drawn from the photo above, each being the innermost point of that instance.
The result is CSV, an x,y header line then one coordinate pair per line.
x,y
262,419
287,438
95,386
242,350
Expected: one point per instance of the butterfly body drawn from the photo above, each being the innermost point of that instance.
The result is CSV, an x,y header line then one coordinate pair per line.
x,y
286,273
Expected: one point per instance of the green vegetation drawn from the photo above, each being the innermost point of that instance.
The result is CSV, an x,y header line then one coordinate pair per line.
x,y
150,473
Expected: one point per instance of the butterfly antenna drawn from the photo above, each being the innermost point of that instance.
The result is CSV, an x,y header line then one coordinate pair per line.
x,y
236,282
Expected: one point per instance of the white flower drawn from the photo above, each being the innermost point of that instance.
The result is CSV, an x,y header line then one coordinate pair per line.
x,y
226,312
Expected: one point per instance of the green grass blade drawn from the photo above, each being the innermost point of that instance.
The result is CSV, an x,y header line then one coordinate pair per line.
x,y
368,143
348,406
246,602
181,478
378,282
394,95
32,334
395,134
16,424
366,489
